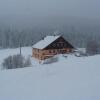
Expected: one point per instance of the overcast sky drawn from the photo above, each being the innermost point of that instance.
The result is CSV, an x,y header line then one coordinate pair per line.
x,y
83,8
33,9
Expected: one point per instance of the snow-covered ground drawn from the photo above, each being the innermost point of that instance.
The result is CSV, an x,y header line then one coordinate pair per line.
x,y
72,78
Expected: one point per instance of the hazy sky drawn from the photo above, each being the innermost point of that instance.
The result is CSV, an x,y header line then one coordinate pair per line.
x,y
83,8
28,12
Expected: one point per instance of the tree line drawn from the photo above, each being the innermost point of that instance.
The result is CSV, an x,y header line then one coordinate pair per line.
x,y
10,38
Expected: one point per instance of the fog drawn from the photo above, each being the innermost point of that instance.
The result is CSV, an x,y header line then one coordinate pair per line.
x,y
33,12
29,21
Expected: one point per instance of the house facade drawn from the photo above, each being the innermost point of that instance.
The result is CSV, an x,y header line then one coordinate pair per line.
x,y
50,46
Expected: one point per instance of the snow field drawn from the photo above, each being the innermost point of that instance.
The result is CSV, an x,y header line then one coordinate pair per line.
x,y
72,78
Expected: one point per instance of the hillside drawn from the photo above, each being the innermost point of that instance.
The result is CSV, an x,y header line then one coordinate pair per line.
x,y
72,78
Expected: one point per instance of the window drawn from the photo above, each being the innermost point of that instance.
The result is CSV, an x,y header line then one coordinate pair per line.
x,y
60,51
61,44
61,40
58,44
54,45
50,51
53,51
64,51
65,45
41,58
67,50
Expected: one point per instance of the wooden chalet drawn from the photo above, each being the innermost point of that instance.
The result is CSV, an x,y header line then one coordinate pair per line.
x,y
50,46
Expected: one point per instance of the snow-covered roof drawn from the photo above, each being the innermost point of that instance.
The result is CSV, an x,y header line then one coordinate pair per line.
x,y
45,42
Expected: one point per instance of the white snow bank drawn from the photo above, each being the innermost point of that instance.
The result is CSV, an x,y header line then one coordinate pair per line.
x,y
69,79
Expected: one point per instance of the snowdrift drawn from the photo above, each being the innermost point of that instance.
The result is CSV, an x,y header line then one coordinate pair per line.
x,y
71,78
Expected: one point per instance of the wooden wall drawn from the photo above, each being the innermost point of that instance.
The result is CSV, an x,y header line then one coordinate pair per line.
x,y
59,46
44,54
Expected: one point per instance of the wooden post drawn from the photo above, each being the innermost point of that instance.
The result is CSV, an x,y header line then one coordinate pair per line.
x,y
20,49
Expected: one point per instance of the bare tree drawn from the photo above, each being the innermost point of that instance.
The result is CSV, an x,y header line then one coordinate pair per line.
x,y
16,61
27,62
92,47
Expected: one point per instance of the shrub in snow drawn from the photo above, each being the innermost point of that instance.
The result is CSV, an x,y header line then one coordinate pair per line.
x,y
8,63
27,62
80,54
51,60
92,48
16,61
65,55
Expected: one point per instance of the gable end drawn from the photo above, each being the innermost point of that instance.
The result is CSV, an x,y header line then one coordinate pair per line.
x,y
60,43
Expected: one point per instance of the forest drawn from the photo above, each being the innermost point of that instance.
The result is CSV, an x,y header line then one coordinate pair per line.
x,y
12,38
77,31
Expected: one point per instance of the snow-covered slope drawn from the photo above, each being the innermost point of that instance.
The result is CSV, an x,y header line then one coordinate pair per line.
x,y
7,52
74,78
